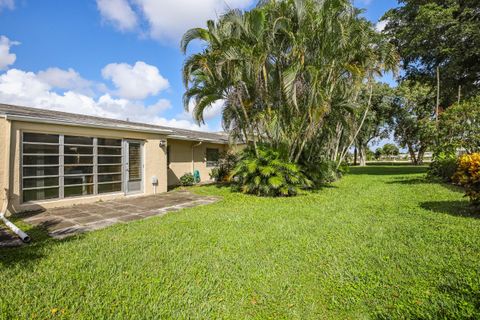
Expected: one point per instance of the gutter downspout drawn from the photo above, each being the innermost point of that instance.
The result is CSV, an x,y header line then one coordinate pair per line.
x,y
22,235
193,159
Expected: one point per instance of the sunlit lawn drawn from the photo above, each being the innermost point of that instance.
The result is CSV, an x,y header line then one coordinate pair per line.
x,y
380,243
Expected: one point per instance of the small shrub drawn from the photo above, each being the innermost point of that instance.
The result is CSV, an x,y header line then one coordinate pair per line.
x,y
443,166
325,171
215,174
267,175
468,176
187,179
343,170
226,163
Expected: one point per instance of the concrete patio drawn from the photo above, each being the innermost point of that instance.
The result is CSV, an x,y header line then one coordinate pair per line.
x,y
8,238
63,222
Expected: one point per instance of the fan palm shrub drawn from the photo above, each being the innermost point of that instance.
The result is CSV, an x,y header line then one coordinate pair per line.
x,y
324,171
266,173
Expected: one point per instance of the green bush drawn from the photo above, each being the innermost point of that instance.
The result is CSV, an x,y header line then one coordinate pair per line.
x,y
324,171
443,166
459,126
267,175
226,163
215,174
187,179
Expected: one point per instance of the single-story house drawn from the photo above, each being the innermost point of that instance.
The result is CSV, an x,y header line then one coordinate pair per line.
x,y
51,159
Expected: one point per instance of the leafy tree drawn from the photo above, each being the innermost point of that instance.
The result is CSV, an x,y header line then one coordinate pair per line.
x,y
439,33
376,122
378,153
413,119
370,155
459,127
390,150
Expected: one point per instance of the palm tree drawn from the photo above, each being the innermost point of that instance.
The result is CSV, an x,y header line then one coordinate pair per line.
x,y
282,69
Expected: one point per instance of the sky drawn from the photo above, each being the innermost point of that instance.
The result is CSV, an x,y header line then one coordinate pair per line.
x,y
111,58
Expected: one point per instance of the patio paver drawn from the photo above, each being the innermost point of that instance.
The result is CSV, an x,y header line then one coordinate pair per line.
x,y
67,221
8,239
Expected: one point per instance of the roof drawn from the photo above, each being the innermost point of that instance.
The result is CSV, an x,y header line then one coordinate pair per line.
x,y
57,117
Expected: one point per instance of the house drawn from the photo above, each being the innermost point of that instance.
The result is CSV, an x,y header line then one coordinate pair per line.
x,y
51,159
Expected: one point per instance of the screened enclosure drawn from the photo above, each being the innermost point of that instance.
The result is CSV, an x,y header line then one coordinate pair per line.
x,y
63,166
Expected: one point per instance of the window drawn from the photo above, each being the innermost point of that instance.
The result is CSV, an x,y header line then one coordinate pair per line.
x,y
41,166
58,166
109,165
78,161
212,157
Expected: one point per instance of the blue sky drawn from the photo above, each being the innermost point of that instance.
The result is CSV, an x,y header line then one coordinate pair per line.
x,y
112,58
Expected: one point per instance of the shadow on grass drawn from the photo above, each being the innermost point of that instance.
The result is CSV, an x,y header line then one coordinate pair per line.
x,y
388,171
455,208
409,181
231,187
425,180
29,253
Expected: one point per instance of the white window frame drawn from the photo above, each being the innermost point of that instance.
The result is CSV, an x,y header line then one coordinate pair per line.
x,y
61,167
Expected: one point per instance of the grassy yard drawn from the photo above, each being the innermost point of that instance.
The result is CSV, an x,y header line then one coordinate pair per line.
x,y
380,243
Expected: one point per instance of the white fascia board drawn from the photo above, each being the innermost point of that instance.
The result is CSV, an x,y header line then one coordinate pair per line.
x,y
185,138
86,125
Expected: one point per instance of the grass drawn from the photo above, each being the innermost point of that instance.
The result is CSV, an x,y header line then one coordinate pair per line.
x,y
381,243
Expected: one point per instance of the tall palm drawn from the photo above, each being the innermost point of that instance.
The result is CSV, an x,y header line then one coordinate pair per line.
x,y
282,68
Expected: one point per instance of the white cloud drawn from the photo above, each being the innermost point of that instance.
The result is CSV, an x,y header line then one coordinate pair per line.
x,y
67,90
23,88
166,20
6,58
66,79
119,13
169,19
9,4
183,124
209,113
26,88
380,26
135,82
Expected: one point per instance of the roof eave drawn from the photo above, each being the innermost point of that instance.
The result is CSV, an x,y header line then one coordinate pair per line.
x,y
183,138
85,125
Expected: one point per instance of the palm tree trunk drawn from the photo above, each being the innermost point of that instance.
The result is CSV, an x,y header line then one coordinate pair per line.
x,y
360,127
248,123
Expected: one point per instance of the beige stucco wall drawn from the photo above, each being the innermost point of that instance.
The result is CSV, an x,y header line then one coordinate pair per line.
x,y
155,161
3,160
181,159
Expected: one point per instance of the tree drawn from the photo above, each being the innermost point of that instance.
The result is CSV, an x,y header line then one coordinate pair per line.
x,y
413,119
376,123
390,150
443,34
459,127
370,155
378,153
289,73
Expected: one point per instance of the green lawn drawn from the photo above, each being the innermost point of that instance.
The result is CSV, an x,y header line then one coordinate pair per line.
x,y
380,243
